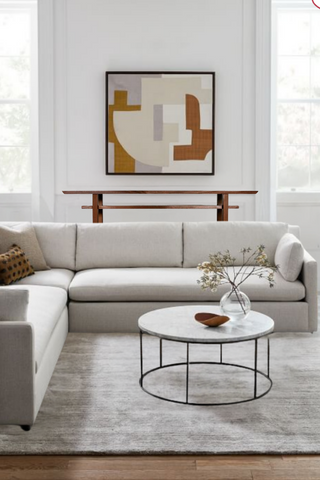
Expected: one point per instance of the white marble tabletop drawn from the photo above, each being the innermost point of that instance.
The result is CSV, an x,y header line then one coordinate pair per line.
x,y
178,323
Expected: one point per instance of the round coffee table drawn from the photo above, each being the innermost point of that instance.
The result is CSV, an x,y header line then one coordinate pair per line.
x,y
177,324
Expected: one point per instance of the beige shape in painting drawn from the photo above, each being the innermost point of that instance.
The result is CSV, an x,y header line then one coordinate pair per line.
x,y
206,81
206,78
176,114
205,117
172,91
134,129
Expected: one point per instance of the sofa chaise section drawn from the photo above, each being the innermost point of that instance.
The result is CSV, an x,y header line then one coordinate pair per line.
x,y
29,351
56,277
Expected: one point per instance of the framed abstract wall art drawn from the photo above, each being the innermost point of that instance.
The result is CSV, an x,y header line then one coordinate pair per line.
x,y
160,123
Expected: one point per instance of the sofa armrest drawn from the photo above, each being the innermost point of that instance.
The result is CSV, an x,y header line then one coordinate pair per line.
x,y
309,279
17,373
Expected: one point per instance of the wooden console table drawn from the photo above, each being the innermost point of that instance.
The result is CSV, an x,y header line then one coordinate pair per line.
x,y
97,206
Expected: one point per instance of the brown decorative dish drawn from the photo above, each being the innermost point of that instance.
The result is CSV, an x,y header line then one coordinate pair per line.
x,y
211,319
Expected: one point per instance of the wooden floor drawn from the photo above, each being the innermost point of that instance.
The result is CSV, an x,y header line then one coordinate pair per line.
x,y
261,467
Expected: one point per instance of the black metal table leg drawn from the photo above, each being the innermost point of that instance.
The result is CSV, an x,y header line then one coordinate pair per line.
x,y
255,366
268,357
141,359
220,362
187,376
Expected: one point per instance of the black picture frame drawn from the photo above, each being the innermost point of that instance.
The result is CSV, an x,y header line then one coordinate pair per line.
x,y
151,73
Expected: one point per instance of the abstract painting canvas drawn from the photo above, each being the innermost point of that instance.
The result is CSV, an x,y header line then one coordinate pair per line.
x,y
160,123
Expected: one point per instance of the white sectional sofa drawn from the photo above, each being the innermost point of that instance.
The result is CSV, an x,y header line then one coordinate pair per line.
x,y
103,277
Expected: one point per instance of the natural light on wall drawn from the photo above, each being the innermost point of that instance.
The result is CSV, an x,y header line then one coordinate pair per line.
x,y
18,95
296,75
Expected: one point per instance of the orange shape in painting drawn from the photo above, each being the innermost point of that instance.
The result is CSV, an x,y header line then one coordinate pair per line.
x,y
123,162
201,139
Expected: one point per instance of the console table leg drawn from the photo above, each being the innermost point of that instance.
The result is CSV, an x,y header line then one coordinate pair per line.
x,y
220,352
187,376
223,201
97,211
255,366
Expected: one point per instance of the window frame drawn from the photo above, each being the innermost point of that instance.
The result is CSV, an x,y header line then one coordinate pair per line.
x,y
293,195
32,102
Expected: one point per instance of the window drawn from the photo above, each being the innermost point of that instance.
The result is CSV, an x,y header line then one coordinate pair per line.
x,y
296,66
18,94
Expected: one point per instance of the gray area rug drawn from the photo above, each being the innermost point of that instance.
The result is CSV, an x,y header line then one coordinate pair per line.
x,y
94,404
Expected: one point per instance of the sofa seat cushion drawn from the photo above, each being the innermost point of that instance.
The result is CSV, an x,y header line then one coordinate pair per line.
x,y
57,277
169,284
46,305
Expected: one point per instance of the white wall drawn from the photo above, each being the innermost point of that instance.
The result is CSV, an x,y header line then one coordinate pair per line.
x,y
90,37
93,36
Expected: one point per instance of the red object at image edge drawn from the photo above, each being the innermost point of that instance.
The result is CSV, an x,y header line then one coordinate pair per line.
x,y
314,3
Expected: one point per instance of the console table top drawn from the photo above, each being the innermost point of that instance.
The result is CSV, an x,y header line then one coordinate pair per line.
x,y
98,207
159,192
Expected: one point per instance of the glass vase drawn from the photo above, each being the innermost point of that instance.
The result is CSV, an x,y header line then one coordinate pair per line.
x,y
235,304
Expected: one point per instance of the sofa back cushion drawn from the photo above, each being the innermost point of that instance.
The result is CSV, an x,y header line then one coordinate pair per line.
x,y
25,237
116,245
203,238
289,257
57,242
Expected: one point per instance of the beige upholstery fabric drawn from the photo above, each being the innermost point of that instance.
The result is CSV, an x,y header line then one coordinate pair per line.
x,y
50,358
16,373
25,237
309,277
169,284
129,245
58,243
203,238
289,257
22,390
13,305
118,296
45,307
56,277
104,317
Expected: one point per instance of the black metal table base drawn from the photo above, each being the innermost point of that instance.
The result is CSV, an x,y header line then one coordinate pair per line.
x,y
187,364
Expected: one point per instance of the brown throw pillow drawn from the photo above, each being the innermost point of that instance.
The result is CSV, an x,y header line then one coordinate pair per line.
x,y
14,265
23,235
